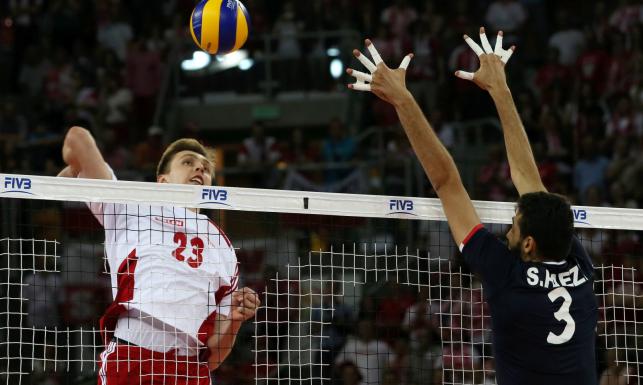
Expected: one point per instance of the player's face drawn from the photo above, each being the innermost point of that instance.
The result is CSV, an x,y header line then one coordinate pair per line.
x,y
188,167
514,239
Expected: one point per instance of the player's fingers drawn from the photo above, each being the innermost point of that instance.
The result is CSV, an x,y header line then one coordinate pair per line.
x,y
377,59
360,86
250,304
360,76
474,46
498,49
485,41
364,60
507,54
405,62
464,75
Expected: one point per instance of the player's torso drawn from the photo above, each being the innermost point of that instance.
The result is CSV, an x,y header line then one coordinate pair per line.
x,y
182,262
544,322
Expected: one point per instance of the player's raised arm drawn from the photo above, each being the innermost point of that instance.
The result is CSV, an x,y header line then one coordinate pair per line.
x,y
390,85
82,156
491,77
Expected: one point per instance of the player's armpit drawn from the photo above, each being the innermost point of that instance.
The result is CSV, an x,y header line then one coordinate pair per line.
x,y
458,208
81,153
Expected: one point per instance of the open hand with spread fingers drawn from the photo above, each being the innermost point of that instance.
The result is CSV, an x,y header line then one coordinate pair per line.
x,y
491,74
388,84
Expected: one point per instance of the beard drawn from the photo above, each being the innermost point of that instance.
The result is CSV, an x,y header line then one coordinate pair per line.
x,y
515,249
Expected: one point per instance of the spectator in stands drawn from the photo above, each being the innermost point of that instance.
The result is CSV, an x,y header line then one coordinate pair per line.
x,y
259,154
627,15
147,151
288,53
116,102
552,72
143,78
32,74
398,18
568,39
590,169
365,351
338,147
508,16
258,149
115,33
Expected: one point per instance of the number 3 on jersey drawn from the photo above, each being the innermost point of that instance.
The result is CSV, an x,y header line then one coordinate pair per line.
x,y
197,249
562,315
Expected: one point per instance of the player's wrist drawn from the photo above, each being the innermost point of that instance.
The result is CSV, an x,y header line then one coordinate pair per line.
x,y
402,99
498,92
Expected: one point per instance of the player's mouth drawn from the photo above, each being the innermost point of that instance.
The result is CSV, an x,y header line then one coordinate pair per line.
x,y
197,180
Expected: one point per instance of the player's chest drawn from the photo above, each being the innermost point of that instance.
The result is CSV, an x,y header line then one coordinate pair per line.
x,y
193,242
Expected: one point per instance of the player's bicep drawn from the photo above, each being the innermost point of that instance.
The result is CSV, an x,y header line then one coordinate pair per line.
x,y
459,210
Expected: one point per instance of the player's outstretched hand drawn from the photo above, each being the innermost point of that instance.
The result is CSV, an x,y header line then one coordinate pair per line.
x,y
388,84
491,74
244,304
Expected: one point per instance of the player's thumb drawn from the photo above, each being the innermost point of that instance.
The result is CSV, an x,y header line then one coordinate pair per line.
x,y
464,75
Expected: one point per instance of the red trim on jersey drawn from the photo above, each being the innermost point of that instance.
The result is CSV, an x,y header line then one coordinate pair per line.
x,y
472,233
221,232
124,293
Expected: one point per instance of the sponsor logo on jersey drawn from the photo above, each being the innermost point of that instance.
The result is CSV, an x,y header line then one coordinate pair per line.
x,y
580,216
217,196
170,221
401,206
12,185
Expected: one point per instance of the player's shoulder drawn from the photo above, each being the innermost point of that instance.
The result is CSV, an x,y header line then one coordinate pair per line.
x,y
482,240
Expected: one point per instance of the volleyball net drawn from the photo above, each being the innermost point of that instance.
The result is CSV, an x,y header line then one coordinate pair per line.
x,y
354,288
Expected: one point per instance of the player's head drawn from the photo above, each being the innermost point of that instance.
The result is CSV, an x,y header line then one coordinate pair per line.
x,y
185,161
542,227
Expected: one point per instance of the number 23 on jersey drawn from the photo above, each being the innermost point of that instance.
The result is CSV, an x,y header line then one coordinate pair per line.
x,y
196,259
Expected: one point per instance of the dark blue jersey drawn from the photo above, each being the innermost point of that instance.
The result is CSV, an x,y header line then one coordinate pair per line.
x,y
543,314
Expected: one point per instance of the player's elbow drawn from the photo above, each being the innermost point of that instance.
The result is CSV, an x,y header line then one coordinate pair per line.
x,y
78,137
445,182
77,142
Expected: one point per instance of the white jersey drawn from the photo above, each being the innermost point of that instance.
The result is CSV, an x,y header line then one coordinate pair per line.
x,y
171,271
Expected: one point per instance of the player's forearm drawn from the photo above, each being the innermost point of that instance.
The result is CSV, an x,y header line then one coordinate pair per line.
x,y
224,341
81,153
434,157
524,172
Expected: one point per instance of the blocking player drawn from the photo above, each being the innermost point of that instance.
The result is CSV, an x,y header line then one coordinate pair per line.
x,y
540,285
176,309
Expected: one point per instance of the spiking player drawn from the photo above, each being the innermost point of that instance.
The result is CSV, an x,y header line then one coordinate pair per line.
x,y
540,286
176,309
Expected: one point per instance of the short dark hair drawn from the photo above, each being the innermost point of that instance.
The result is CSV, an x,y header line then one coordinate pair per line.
x,y
174,148
549,220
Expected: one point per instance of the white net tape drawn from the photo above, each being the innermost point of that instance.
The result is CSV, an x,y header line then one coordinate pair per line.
x,y
321,310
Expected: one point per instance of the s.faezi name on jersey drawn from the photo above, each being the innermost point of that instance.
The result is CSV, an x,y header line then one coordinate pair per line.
x,y
544,278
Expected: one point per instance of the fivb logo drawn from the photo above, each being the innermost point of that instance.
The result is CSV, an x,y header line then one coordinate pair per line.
x,y
214,196
580,216
16,185
401,206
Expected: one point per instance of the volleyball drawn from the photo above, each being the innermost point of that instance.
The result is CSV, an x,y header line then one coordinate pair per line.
x,y
220,26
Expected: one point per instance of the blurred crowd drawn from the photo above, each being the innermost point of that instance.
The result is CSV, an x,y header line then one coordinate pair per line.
x,y
575,77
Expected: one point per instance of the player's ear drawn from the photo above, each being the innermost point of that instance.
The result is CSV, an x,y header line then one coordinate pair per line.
x,y
529,245
162,178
